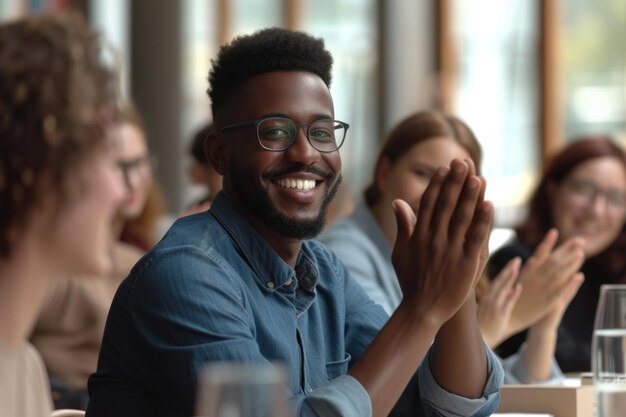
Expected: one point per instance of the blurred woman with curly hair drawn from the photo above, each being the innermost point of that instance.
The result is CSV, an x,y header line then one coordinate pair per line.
x,y
59,185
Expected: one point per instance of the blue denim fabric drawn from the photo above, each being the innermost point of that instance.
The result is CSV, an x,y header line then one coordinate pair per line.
x,y
214,290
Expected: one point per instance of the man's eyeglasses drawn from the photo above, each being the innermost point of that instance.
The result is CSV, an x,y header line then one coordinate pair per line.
x,y
279,133
585,192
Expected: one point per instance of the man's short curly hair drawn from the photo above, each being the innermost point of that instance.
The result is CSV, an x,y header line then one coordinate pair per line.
x,y
267,50
56,99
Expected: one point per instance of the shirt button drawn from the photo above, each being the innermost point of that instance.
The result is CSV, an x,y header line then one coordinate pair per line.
x,y
270,284
289,281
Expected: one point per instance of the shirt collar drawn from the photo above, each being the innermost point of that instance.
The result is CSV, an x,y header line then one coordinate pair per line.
x,y
271,271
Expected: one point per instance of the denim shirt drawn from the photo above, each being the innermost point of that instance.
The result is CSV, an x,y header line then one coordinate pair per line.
x,y
214,290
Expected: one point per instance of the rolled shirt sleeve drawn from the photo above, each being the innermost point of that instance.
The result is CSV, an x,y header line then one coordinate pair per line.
x,y
346,397
342,397
439,402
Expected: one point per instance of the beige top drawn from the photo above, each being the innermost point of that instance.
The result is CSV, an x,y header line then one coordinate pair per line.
x,y
24,389
69,330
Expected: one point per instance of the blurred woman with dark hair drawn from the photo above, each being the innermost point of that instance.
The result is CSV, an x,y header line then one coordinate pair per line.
x,y
582,195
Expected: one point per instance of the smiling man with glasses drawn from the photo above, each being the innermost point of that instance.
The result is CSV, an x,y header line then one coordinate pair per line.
x,y
243,283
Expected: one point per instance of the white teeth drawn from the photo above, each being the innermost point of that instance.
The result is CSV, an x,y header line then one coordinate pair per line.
x,y
297,183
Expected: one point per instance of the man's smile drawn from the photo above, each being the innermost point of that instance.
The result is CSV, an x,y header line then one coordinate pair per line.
x,y
296,183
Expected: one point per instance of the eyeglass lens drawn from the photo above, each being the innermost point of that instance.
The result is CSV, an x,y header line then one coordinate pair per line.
x,y
280,133
589,192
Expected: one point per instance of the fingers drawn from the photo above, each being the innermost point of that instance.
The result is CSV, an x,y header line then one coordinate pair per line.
x,y
497,304
449,206
505,284
508,304
546,245
478,234
458,207
471,168
556,266
428,202
561,296
448,201
565,261
508,275
568,291
484,254
571,288
434,267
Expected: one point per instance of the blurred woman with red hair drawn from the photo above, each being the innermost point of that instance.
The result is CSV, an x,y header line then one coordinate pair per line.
x,y
582,195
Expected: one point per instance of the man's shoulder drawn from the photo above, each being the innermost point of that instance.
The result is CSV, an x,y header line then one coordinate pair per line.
x,y
199,230
192,243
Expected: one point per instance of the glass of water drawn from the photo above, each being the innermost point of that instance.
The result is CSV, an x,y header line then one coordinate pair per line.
x,y
609,351
231,389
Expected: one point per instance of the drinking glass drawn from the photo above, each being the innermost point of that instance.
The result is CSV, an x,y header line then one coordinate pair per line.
x,y
609,352
231,389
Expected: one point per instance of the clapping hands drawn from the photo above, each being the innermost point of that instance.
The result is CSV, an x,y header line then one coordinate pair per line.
x,y
538,296
438,254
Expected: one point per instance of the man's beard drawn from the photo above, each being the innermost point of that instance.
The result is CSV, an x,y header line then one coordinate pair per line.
x,y
257,202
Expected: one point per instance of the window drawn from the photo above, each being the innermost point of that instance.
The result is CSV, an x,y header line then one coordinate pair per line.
x,y
496,93
594,67
348,28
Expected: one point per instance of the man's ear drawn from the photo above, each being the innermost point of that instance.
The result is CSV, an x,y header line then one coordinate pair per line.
x,y
215,151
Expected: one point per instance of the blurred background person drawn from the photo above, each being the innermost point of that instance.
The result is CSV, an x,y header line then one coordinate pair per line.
x,y
582,194
59,185
201,171
68,332
140,216
411,154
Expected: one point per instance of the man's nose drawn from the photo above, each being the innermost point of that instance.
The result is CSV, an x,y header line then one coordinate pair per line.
x,y
301,150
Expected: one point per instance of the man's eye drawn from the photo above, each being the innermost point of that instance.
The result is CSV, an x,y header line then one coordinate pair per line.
x,y
322,135
275,134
